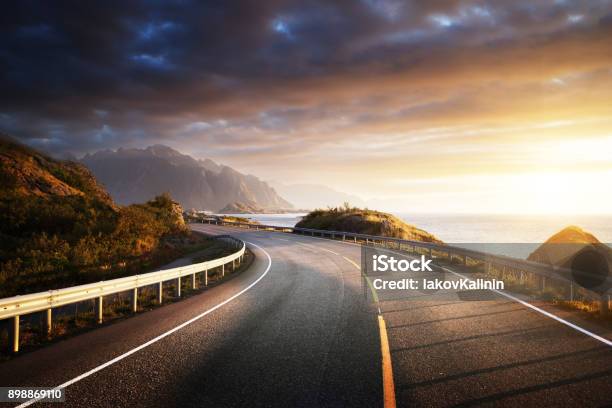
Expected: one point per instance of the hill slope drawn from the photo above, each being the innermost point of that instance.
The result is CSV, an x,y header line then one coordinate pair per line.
x,y
58,226
135,175
26,172
240,208
364,222
561,247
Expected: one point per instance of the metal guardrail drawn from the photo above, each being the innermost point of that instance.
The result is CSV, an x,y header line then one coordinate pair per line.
x,y
17,306
543,271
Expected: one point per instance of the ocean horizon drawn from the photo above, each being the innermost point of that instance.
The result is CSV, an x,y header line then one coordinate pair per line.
x,y
514,234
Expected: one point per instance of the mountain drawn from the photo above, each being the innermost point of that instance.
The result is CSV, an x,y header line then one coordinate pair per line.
x,y
240,208
311,196
361,221
134,175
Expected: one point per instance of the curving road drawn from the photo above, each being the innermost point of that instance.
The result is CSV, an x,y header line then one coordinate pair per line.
x,y
298,332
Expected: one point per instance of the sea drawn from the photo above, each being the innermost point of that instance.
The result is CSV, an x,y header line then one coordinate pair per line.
x,y
505,234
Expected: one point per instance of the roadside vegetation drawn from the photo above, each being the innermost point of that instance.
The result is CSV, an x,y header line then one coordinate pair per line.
x,y
59,227
364,221
79,318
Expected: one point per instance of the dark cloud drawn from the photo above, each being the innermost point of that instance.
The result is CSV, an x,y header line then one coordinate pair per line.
x,y
80,76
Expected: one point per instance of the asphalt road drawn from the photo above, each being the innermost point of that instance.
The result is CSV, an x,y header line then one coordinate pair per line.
x,y
304,335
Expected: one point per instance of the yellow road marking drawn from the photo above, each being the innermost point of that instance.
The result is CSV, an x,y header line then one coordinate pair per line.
x,y
387,368
367,278
351,261
327,250
373,290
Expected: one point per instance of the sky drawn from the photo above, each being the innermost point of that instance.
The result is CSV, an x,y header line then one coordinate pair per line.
x,y
429,106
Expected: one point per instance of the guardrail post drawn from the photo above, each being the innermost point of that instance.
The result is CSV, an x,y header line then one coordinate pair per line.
x,y
178,287
233,265
344,237
355,237
15,334
223,270
99,309
49,321
193,281
160,292
571,291
604,305
205,277
135,300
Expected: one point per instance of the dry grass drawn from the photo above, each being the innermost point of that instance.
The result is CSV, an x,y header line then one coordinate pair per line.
x,y
364,221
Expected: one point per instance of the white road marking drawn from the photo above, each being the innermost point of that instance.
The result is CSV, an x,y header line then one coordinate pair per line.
x,y
161,336
544,312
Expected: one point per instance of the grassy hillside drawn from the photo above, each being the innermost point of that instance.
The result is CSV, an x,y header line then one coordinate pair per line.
x,y
561,247
58,226
364,221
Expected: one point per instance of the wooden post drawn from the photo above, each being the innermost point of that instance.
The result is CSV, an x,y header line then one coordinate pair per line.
x,y
15,333
99,309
